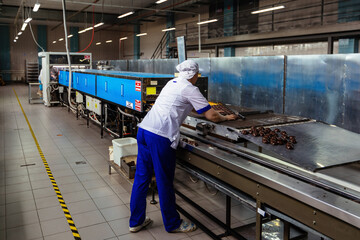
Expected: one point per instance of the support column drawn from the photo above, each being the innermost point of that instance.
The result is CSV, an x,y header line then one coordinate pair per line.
x,y
170,22
74,40
5,51
136,41
229,7
42,40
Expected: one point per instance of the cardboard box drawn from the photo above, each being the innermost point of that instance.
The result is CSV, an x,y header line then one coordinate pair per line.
x,y
128,164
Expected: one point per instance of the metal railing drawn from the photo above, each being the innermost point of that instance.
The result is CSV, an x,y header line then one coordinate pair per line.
x,y
295,15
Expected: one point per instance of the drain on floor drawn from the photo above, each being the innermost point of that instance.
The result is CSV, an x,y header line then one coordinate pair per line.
x,y
26,165
81,162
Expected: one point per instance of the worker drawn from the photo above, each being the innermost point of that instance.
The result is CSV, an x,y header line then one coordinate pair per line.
x,y
54,74
39,92
158,136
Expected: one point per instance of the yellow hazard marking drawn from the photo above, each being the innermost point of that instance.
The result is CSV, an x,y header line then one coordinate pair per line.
x,y
58,193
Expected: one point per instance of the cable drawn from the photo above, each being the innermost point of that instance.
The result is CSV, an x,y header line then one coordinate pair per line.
x,y
32,33
67,53
93,32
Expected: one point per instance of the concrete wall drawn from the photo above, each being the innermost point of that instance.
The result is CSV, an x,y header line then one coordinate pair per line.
x,y
23,50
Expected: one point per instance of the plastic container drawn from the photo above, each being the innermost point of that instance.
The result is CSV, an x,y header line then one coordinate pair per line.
x,y
124,147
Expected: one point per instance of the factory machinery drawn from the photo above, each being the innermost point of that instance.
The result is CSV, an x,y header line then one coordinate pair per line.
x,y
301,172
115,100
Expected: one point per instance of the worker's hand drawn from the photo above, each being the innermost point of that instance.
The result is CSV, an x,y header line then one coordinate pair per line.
x,y
231,117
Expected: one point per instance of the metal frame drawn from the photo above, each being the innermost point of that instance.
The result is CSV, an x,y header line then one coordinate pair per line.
x,y
33,99
268,196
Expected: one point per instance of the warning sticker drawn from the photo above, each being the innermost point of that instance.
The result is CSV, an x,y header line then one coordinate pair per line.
x,y
138,86
129,105
138,105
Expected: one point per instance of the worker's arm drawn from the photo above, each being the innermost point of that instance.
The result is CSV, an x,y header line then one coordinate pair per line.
x,y
215,116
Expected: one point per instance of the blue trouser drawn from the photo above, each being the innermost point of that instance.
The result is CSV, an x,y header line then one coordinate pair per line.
x,y
154,153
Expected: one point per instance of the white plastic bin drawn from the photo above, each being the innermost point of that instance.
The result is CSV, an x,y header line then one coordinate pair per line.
x,y
124,147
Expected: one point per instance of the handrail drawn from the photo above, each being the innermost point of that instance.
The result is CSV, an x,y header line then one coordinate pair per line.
x,y
159,46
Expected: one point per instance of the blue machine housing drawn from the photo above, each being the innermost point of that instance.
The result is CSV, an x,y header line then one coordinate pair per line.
x,y
127,89
64,78
125,92
84,82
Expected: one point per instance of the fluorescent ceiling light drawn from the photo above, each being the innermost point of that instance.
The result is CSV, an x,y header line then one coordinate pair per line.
x,y
23,26
14,40
268,9
108,41
19,33
89,28
36,7
160,1
61,39
98,43
168,29
208,21
28,19
16,37
141,34
82,31
99,24
126,14
124,38
54,41
70,36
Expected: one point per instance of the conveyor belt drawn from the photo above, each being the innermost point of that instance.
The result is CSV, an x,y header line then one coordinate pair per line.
x,y
318,145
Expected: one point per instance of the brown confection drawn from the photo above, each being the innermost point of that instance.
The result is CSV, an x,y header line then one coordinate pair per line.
x,y
245,132
292,139
255,133
262,133
276,130
283,133
265,140
267,130
273,141
289,146
284,138
261,128
253,128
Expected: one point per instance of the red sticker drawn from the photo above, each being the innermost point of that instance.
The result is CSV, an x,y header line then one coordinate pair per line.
x,y
138,105
138,86
87,57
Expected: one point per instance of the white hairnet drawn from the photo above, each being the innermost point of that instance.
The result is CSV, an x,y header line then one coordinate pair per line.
x,y
187,69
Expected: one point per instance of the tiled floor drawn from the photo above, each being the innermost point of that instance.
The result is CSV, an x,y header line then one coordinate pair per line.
x,y
97,201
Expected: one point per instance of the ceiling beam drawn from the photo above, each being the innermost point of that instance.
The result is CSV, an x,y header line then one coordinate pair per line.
x,y
71,16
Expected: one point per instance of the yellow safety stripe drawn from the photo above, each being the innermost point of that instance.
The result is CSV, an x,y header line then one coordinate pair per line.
x,y
56,188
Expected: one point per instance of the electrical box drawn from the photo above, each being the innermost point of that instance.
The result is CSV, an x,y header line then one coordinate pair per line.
x,y
79,97
96,106
89,103
61,89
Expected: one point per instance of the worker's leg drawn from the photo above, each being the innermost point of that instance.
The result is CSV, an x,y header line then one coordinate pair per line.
x,y
144,170
164,161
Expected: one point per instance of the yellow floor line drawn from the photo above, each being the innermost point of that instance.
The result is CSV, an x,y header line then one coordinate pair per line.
x,y
55,186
